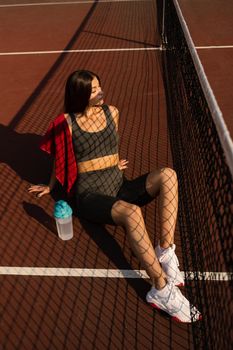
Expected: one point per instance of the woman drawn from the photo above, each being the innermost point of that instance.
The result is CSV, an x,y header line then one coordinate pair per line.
x,y
84,142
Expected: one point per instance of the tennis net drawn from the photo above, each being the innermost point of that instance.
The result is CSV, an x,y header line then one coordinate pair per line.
x,y
203,158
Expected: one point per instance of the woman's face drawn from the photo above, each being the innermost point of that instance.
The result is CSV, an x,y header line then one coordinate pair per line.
x,y
96,98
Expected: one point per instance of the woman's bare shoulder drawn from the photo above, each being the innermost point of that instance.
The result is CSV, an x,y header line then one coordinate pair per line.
x,y
113,109
115,114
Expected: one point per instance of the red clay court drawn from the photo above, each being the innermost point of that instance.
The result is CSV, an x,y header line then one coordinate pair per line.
x,y
89,292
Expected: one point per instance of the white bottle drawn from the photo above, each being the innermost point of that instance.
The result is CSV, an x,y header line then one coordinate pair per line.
x,y
63,217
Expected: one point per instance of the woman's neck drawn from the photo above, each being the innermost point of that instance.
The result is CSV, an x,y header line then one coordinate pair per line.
x,y
90,111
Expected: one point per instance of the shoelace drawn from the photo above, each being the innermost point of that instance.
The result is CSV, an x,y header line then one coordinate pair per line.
x,y
172,295
170,286
172,292
194,313
174,256
176,259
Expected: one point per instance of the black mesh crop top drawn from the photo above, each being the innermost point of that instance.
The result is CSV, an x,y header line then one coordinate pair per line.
x,y
91,145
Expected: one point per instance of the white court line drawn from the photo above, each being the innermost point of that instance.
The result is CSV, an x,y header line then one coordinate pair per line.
x,y
104,50
68,3
104,273
214,47
79,51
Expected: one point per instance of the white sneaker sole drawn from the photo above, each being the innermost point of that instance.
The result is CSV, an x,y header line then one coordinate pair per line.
x,y
175,318
181,284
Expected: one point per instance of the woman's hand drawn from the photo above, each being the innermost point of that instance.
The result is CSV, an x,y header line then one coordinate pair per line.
x,y
122,164
40,190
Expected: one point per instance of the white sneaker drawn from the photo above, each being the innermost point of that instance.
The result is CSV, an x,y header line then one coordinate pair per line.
x,y
170,264
171,300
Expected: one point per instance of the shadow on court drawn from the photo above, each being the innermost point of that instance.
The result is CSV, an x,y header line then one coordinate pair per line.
x,y
21,152
109,246
34,166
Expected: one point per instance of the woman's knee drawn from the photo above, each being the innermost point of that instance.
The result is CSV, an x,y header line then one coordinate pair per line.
x,y
123,212
168,174
159,178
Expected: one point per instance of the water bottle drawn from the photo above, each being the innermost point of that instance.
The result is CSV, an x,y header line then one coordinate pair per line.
x,y
63,217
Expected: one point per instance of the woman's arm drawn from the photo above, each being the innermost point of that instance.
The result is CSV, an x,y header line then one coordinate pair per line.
x,y
41,190
115,114
122,163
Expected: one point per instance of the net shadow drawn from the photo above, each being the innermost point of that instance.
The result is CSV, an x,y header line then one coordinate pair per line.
x,y
206,187
69,312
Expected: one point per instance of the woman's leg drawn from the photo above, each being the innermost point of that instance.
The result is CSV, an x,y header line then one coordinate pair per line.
x,y
130,217
163,295
164,182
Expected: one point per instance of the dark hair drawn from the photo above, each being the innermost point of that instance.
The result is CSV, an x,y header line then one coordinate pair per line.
x,y
78,91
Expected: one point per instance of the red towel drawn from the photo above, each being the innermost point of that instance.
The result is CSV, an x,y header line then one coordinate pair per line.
x,y
58,142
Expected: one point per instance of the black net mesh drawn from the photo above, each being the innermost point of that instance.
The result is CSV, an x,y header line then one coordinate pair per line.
x,y
206,188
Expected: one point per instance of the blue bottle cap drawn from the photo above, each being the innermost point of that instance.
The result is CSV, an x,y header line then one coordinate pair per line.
x,y
62,210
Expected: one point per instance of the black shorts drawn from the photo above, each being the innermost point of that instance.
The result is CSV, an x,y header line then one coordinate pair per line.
x,y
97,208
